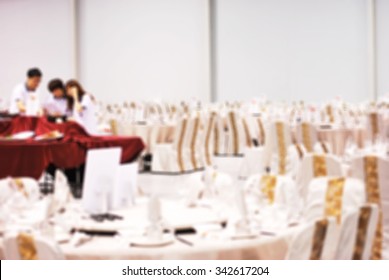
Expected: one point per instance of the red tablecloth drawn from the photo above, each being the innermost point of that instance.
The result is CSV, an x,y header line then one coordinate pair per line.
x,y
30,158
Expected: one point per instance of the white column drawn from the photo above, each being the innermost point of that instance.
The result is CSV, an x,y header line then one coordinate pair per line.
x,y
372,48
212,10
74,37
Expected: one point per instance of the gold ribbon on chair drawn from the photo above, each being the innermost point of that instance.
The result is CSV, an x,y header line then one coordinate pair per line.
x,y
363,223
261,131
374,125
324,147
318,239
281,148
180,144
247,133
319,166
216,140
208,137
26,246
193,142
234,133
330,113
306,130
334,198
373,196
268,183
20,186
114,126
299,151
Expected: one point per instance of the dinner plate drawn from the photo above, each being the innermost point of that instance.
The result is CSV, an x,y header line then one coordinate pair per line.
x,y
244,236
19,136
23,135
144,241
45,137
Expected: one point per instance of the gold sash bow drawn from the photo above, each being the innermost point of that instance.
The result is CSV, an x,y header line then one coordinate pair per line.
x,y
373,196
330,113
20,185
318,239
216,139
261,131
307,136
324,147
374,125
319,166
268,183
234,132
299,151
114,126
193,142
247,133
208,137
26,246
281,148
334,198
363,223
180,144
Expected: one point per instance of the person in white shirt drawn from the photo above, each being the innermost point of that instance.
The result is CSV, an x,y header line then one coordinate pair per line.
x,y
81,106
25,97
56,105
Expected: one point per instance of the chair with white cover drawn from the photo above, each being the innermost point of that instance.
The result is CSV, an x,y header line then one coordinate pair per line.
x,y
333,196
357,233
253,156
209,138
306,134
220,135
314,241
195,140
375,126
373,170
173,157
313,166
272,190
18,193
278,139
27,246
237,137
261,131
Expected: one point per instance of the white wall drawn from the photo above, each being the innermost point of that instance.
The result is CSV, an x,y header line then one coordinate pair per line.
x,y
300,49
144,49
33,34
382,13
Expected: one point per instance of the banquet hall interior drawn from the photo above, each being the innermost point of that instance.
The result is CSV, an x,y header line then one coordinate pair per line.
x,y
194,129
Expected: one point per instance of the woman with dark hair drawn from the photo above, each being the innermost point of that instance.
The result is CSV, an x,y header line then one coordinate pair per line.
x,y
56,105
81,106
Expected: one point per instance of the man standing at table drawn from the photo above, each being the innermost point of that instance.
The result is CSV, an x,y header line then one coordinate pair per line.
x,y
25,97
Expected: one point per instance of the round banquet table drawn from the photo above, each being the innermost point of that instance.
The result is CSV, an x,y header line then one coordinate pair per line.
x,y
338,137
111,248
209,241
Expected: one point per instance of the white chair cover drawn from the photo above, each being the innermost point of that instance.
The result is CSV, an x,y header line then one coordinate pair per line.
x,y
309,169
275,190
36,246
326,199
376,180
315,240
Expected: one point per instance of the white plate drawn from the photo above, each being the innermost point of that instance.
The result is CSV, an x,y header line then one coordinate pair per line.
x,y
244,236
145,241
20,136
62,237
44,137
